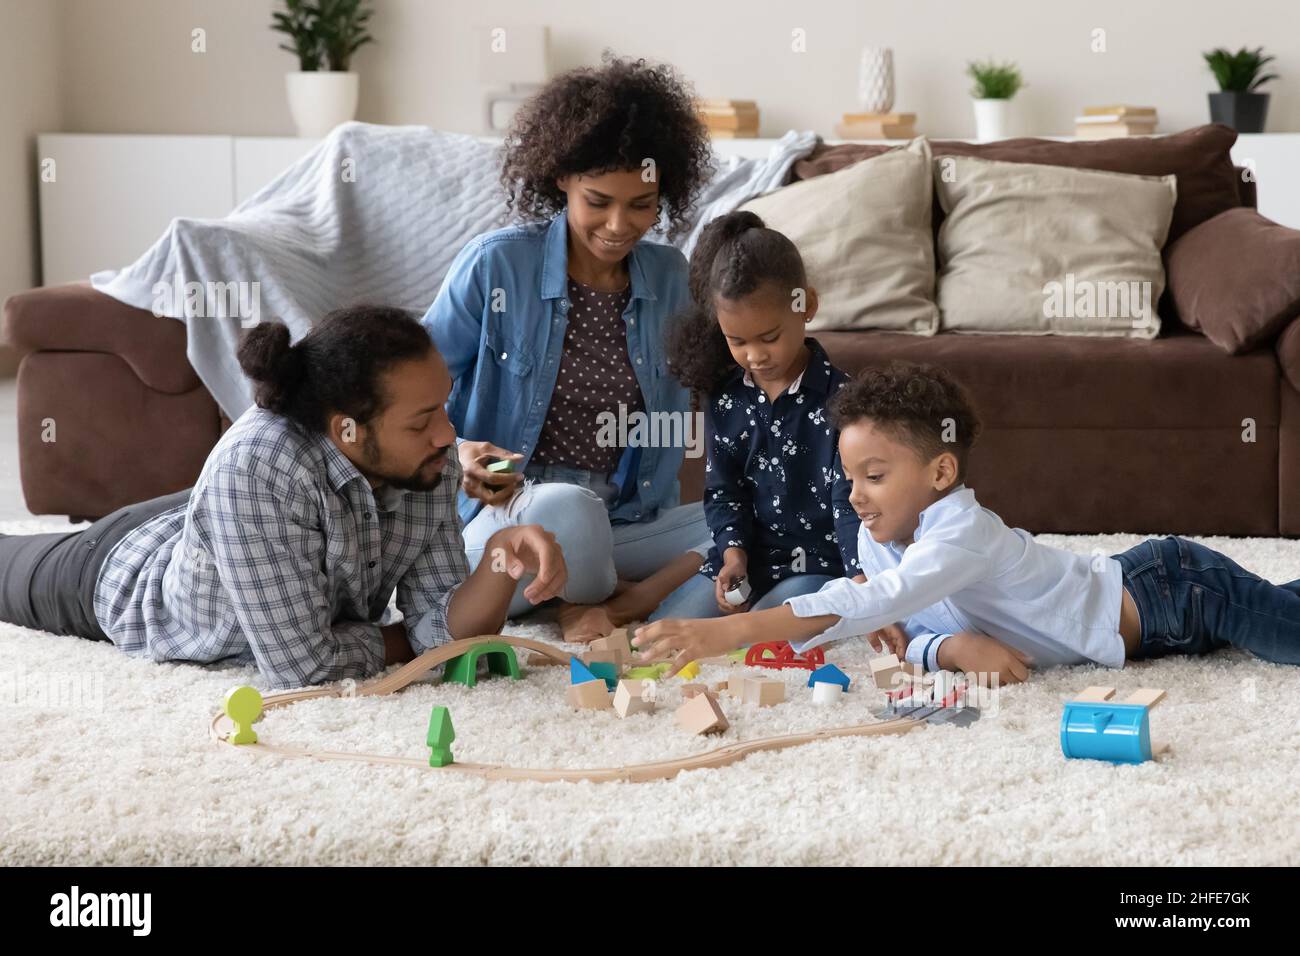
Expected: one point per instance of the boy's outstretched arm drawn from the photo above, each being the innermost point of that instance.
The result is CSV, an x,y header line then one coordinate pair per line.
x,y
681,641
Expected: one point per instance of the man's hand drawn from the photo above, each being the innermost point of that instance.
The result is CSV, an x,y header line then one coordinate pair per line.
x,y
891,637
530,549
971,652
735,565
681,640
475,477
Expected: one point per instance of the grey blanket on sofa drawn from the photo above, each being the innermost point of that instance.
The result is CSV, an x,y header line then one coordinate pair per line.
x,y
372,214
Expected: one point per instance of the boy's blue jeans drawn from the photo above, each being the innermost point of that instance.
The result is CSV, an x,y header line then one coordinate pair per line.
x,y
1193,600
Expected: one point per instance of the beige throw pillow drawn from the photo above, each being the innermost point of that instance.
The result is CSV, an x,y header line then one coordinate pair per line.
x,y
866,241
1049,250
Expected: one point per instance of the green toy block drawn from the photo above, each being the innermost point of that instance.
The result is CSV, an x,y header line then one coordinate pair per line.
x,y
650,672
464,669
440,736
243,705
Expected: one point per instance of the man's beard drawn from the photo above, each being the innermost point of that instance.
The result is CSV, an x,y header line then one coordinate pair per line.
x,y
411,482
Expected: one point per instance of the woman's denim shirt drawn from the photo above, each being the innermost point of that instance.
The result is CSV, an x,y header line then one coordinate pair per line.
x,y
499,322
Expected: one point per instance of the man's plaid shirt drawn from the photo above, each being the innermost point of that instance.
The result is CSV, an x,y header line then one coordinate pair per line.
x,y
284,556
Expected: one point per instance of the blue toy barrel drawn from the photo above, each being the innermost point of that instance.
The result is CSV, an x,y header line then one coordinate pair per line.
x,y
1119,733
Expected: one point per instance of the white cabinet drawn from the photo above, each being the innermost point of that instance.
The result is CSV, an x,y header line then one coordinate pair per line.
x,y
106,198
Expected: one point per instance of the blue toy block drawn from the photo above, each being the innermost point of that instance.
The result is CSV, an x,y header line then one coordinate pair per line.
x,y
605,671
579,673
829,674
1099,729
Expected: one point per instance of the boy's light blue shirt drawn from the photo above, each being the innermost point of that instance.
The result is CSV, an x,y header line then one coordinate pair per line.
x,y
966,570
499,322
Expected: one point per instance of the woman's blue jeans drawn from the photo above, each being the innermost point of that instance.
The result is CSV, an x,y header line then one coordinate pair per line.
x,y
572,504
1193,600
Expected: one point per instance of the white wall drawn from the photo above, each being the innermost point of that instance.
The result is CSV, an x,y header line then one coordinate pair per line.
x,y
129,68
29,104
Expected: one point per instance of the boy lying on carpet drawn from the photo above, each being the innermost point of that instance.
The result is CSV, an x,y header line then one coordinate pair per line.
x,y
311,509
939,562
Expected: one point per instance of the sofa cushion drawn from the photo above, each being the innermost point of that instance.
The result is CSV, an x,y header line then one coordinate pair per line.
x,y
77,318
1199,157
864,234
1049,250
1236,279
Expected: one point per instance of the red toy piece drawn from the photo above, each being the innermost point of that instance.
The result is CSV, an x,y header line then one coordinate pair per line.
x,y
779,655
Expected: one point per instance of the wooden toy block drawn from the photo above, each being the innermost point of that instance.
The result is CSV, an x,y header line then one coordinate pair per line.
x,y
690,690
825,692
592,695
701,715
541,660
1146,697
440,736
243,705
690,671
632,698
615,657
464,669
616,641
1095,695
718,687
883,669
762,693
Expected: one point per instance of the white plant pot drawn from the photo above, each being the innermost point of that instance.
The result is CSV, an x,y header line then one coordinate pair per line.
x,y
991,119
320,100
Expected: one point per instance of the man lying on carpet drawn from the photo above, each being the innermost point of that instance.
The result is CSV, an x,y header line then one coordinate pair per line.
x,y
309,511
938,561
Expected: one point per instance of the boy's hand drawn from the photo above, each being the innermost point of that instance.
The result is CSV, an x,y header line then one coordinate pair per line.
x,y
681,640
735,565
971,652
892,638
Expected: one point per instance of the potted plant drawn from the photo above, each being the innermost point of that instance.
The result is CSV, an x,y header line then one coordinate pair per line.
x,y
995,84
1237,104
324,35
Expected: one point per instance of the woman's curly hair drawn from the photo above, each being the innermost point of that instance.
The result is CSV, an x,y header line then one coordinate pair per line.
x,y
735,255
920,406
592,121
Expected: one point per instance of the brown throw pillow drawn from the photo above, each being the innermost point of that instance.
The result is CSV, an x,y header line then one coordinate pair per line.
x,y
1236,279
1199,157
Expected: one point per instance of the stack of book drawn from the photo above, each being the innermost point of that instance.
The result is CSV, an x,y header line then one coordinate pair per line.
x,y
876,126
729,119
1108,122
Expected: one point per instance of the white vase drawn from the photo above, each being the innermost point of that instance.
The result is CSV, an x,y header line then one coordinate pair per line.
x,y
991,119
876,80
321,99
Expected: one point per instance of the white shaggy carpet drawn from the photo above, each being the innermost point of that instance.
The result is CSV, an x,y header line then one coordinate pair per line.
x,y
106,760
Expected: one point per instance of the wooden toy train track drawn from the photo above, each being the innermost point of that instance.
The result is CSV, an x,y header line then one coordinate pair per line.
x,y
222,728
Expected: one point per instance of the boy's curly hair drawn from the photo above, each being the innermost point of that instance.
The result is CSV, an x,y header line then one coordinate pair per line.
x,y
592,121
919,406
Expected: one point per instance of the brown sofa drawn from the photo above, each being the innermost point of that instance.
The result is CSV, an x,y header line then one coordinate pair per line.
x,y
1081,435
